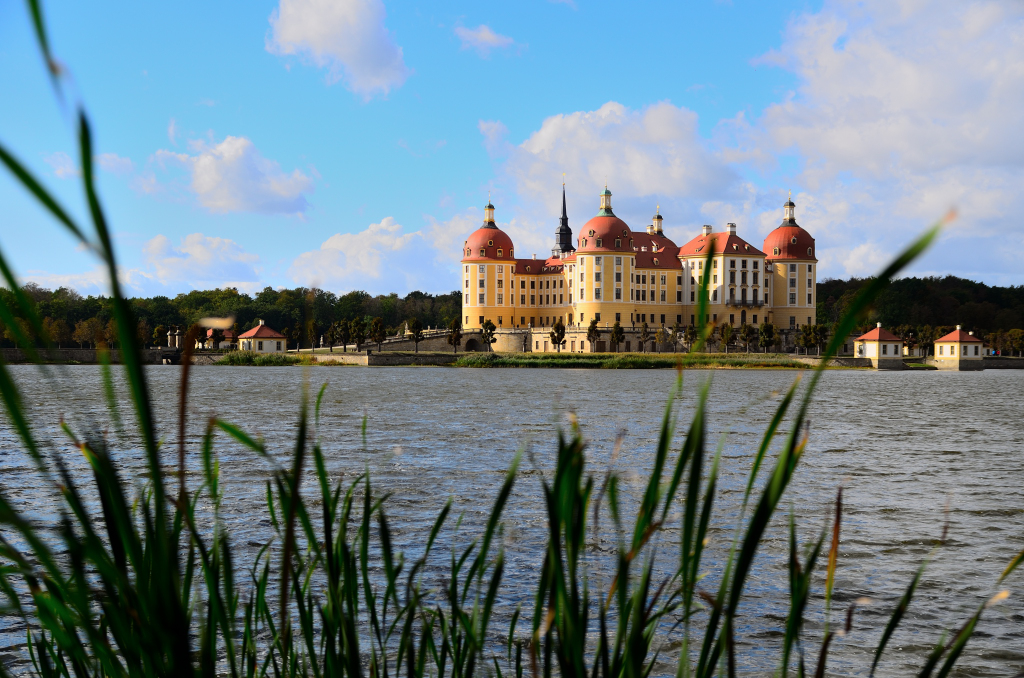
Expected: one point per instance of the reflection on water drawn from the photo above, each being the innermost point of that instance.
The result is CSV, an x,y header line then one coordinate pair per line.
x,y
905,447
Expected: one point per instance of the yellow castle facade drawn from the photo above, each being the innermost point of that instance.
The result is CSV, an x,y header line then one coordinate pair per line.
x,y
612,273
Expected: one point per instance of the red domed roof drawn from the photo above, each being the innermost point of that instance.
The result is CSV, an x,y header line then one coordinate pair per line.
x,y
789,241
607,230
485,243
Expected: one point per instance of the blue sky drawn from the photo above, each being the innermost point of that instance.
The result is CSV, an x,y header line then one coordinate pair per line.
x,y
351,144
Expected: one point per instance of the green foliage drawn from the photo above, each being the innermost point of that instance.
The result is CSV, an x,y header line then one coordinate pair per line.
x,y
257,359
455,334
617,336
557,335
593,333
947,301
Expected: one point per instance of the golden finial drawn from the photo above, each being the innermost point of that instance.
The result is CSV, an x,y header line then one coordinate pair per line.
x,y
563,179
791,195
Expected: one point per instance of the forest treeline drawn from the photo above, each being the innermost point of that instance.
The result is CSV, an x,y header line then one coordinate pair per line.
x,y
72,319
921,309
917,306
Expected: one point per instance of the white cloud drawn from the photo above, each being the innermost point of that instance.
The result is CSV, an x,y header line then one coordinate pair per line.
x,y
902,110
63,166
348,37
202,262
495,137
232,176
115,164
172,132
95,281
380,258
482,39
651,152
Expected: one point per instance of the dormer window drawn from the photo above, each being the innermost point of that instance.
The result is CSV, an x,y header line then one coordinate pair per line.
x,y
793,240
585,241
775,251
483,251
809,252
655,262
735,247
591,233
598,242
746,247
511,255
468,252
618,243
490,243
499,253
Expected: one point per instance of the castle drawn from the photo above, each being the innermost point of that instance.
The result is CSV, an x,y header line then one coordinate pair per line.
x,y
612,273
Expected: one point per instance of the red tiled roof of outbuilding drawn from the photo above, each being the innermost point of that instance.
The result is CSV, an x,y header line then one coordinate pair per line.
x,y
262,332
878,334
958,335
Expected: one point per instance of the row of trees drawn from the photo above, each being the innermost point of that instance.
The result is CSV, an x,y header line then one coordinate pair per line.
x,y
301,314
763,336
948,301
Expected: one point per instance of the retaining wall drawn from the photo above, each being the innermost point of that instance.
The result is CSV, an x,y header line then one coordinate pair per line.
x,y
152,356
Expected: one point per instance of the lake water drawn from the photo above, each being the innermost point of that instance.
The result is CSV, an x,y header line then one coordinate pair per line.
x,y
910,449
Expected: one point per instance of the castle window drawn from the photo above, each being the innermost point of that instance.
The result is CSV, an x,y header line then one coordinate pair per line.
x,y
469,252
482,268
501,299
522,284
500,283
732,263
663,280
618,276
792,268
561,283
490,243
755,265
808,283
743,264
533,284
679,281
692,297
511,253
501,269
775,251
618,293
481,298
533,299
655,262
499,253
483,251
618,243
714,264
663,295
598,242
808,299
618,260
522,300
481,281
793,240
467,283
809,252
597,276
591,233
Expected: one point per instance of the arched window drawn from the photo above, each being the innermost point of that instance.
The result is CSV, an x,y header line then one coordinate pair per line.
x,y
499,253
775,251
483,251
809,252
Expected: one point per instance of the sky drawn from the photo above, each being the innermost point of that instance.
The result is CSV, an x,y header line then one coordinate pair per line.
x,y
351,144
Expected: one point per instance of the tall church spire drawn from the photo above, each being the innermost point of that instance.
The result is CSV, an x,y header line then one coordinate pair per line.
x,y
563,234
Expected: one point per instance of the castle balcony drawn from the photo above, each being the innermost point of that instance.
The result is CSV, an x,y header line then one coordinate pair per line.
x,y
745,303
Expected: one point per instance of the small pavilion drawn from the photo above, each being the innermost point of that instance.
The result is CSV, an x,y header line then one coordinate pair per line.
x,y
882,347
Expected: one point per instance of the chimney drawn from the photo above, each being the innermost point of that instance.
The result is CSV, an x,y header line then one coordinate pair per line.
x,y
971,333
706,230
878,325
958,327
534,255
730,228
261,321
650,229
